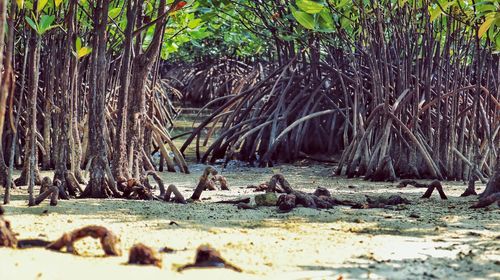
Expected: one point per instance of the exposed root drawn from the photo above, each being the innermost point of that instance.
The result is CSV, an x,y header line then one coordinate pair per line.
x,y
177,195
487,201
207,256
72,184
431,187
158,180
109,241
204,182
133,189
144,255
235,201
7,237
264,187
212,183
321,198
245,206
381,202
48,189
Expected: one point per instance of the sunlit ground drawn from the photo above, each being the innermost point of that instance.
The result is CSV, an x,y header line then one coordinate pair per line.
x,y
441,239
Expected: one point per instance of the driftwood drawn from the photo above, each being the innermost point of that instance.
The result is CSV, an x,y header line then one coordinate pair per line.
x,y
144,255
206,257
7,236
109,241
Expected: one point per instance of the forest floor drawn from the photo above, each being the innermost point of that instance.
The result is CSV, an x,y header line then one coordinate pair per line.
x,y
427,239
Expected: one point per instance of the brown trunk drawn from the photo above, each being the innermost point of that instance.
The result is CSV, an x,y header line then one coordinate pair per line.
x,y
120,155
64,112
99,186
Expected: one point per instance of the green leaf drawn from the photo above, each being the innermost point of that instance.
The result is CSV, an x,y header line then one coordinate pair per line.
x,y
20,3
83,52
199,34
485,26
309,6
327,17
113,13
78,43
58,3
41,5
343,3
45,22
31,23
303,18
194,23
325,22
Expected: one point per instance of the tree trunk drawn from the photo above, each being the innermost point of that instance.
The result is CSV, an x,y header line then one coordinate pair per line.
x,y
99,186
120,154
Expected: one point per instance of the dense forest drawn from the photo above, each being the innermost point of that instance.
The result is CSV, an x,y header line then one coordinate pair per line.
x,y
92,91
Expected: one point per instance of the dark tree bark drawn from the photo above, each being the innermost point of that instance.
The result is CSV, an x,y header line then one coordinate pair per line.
x,y
120,154
102,183
493,185
33,72
64,105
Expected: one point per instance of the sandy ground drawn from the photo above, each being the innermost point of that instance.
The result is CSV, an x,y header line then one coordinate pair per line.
x,y
425,240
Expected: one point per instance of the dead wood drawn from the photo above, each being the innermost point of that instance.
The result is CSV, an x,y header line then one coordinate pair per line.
x,y
207,257
144,255
109,241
